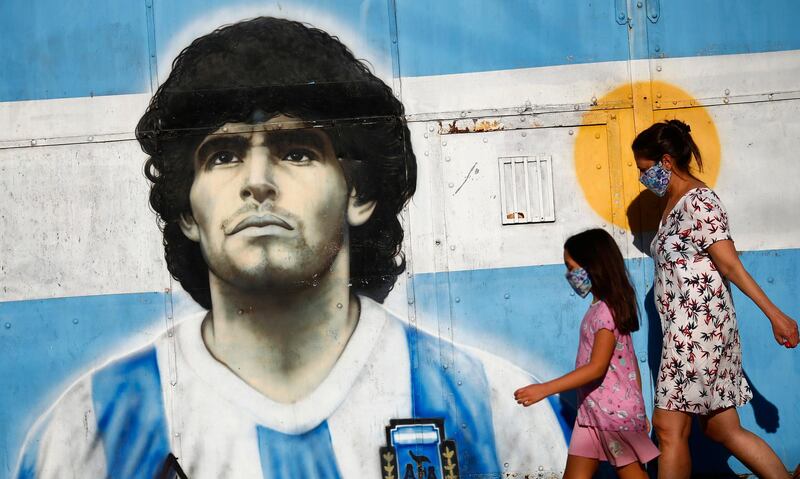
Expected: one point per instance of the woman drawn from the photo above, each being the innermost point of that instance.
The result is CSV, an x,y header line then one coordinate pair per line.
x,y
701,359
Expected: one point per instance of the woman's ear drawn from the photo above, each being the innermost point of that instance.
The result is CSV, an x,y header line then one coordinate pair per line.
x,y
359,213
667,162
189,227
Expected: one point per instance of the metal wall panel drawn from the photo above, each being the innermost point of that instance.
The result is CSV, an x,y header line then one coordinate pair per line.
x,y
82,275
79,234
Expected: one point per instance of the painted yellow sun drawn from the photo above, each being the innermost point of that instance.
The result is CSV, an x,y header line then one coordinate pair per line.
x,y
597,168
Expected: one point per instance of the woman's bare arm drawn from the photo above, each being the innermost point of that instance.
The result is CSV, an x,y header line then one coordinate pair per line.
x,y
725,258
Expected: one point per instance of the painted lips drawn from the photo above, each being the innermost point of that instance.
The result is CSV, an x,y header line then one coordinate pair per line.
x,y
264,224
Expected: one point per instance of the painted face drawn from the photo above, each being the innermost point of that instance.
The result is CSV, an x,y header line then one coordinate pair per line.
x,y
653,176
577,277
269,205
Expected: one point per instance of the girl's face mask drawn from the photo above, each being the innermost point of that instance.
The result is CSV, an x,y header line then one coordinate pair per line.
x,y
656,179
578,278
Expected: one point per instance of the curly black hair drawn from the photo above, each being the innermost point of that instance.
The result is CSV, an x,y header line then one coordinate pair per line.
x,y
275,66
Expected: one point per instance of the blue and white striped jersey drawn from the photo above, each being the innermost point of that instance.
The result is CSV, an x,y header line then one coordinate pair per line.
x,y
172,397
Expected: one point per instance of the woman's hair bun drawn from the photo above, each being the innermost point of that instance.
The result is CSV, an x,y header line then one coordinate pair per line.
x,y
668,137
683,127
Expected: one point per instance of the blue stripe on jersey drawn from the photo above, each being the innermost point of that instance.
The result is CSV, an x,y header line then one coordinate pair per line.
x,y
460,394
298,455
30,455
130,415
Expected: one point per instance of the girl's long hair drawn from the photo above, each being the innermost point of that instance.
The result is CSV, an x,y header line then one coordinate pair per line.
x,y
597,252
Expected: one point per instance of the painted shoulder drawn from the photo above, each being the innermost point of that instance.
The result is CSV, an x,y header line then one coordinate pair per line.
x,y
541,427
114,408
63,441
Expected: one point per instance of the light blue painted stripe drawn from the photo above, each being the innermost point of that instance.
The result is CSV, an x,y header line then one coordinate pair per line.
x,y
540,315
298,455
46,343
80,48
43,347
772,370
464,36
95,47
131,420
688,28
467,414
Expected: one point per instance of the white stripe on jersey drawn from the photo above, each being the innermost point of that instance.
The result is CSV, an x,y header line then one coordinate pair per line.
x,y
525,437
383,390
67,447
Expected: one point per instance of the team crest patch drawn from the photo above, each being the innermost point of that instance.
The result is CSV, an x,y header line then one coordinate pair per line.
x,y
417,449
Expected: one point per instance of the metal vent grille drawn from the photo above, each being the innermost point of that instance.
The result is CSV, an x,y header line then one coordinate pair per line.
x,y
526,189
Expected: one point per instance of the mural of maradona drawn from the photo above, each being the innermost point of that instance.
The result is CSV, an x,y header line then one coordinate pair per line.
x,y
279,164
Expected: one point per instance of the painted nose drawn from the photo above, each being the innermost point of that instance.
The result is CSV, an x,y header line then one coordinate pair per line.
x,y
259,184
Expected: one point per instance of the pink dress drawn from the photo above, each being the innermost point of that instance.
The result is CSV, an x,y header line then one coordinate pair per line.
x,y
701,358
616,403
611,423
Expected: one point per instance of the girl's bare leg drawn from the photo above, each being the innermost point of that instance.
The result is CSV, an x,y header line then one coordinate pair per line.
x,y
634,470
580,467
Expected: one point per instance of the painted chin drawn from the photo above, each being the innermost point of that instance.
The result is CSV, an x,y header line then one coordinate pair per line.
x,y
276,266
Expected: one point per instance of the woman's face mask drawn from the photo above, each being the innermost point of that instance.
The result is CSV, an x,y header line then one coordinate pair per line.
x,y
656,179
578,278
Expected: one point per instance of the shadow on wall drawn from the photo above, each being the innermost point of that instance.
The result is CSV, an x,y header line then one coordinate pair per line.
x,y
643,215
569,406
709,459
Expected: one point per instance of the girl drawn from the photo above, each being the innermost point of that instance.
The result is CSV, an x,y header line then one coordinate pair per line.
x,y
611,424
701,357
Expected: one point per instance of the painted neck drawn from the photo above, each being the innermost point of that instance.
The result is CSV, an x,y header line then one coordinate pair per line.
x,y
283,343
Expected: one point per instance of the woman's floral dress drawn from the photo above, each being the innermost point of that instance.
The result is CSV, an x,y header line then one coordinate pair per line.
x,y
701,358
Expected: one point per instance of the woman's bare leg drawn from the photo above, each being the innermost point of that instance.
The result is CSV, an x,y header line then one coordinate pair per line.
x,y
723,427
673,429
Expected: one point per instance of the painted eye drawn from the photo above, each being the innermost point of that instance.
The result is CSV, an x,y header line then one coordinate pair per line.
x,y
222,158
299,156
